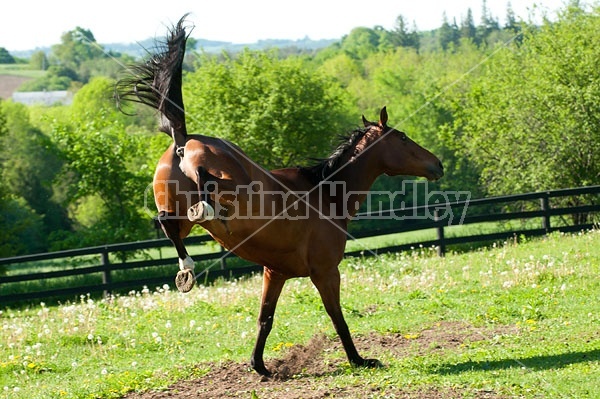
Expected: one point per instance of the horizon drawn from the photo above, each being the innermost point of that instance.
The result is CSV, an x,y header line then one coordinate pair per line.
x,y
261,20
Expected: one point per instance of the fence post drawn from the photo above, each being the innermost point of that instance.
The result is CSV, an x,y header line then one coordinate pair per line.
x,y
441,250
106,277
545,205
223,258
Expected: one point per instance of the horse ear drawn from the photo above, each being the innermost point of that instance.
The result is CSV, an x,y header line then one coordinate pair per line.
x,y
366,122
383,117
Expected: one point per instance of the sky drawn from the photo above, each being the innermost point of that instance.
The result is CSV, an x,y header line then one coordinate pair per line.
x,y
26,25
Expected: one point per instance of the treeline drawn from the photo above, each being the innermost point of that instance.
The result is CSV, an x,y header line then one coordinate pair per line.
x,y
509,107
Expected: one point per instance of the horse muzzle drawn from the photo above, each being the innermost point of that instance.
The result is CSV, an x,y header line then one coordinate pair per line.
x,y
436,171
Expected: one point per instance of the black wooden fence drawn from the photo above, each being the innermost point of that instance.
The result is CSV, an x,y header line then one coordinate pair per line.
x,y
579,210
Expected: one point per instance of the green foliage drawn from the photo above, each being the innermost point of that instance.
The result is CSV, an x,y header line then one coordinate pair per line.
x,y
21,228
361,42
27,175
102,165
73,62
515,119
105,173
76,47
38,60
277,111
530,122
57,78
6,57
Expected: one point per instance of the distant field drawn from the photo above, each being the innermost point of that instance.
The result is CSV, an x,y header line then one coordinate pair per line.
x,y
514,321
14,75
22,70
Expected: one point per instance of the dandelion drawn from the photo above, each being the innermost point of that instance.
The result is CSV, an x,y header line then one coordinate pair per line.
x,y
134,364
156,337
168,324
192,323
104,371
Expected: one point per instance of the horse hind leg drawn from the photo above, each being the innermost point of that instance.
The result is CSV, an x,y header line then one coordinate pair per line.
x,y
202,211
171,226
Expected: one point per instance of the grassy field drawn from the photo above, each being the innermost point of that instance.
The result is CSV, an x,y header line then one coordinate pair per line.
x,y
20,70
529,311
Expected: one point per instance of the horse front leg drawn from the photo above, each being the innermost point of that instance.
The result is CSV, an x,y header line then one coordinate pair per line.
x,y
272,286
328,286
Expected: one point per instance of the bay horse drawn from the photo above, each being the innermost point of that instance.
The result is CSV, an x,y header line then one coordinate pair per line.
x,y
292,221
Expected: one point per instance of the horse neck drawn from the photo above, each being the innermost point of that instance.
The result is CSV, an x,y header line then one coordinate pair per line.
x,y
357,177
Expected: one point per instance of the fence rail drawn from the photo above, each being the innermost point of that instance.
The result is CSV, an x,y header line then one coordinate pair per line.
x,y
443,218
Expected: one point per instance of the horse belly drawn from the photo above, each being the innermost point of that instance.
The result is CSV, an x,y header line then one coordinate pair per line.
x,y
283,250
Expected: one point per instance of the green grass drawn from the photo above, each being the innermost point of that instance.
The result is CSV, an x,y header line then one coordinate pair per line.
x,y
536,304
431,234
20,70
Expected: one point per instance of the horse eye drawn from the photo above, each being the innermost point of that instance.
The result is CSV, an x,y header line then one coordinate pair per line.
x,y
403,136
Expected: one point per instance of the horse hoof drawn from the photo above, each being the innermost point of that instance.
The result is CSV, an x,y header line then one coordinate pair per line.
x,y
369,363
372,364
264,373
185,280
201,212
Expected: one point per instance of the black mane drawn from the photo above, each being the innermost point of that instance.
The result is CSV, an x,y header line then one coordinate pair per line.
x,y
324,168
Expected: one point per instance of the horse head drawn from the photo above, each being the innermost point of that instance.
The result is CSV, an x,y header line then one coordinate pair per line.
x,y
397,154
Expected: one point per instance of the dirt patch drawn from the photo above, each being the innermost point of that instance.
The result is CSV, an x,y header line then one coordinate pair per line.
x,y
9,84
307,371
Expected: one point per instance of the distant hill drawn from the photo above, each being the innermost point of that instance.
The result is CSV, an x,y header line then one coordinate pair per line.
x,y
139,49
211,46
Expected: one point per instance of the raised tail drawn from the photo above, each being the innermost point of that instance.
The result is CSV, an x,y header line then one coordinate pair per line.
x,y
157,83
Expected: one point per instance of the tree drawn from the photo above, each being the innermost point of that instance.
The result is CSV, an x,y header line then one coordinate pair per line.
x,y
467,27
488,24
21,229
5,57
532,121
105,170
58,77
29,174
511,20
277,111
402,36
76,47
448,34
38,60
361,42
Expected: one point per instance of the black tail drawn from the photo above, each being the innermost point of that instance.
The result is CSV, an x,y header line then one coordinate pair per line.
x,y
157,83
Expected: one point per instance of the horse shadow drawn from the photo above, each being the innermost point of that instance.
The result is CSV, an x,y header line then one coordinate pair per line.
x,y
532,363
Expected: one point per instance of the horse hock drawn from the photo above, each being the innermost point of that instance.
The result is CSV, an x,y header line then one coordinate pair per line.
x,y
201,212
